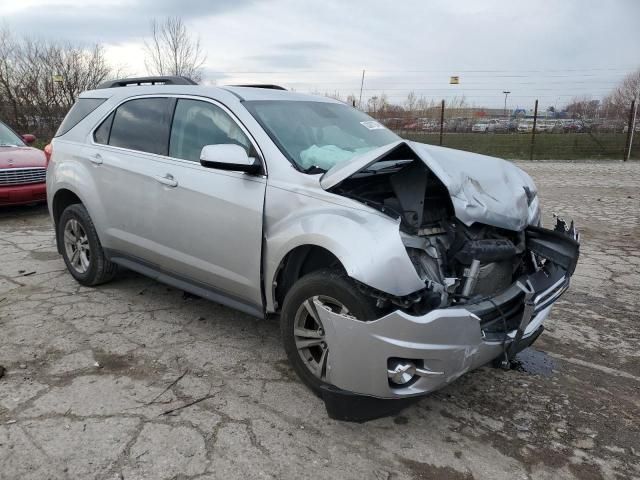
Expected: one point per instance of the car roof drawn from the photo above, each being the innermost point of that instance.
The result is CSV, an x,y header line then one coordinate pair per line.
x,y
242,93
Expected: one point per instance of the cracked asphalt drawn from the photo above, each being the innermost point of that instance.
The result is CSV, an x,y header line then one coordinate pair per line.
x,y
134,380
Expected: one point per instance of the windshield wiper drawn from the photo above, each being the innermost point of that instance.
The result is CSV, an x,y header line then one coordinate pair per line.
x,y
314,169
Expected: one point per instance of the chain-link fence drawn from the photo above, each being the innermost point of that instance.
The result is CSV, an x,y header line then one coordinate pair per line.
x,y
523,133
514,134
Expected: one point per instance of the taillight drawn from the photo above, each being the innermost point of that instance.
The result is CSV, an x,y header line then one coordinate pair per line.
x,y
48,150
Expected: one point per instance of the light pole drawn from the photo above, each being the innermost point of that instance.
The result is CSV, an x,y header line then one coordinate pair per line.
x,y
506,94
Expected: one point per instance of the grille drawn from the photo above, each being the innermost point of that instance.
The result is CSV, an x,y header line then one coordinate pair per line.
x,y
21,176
510,312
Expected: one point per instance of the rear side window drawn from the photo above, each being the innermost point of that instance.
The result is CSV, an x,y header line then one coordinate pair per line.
x,y
141,124
101,134
80,109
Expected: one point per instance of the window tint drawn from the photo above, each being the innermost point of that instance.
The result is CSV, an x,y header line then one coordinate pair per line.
x,y
196,124
101,134
142,124
82,108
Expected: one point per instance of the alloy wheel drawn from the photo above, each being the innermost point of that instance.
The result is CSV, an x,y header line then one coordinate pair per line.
x,y
76,244
309,333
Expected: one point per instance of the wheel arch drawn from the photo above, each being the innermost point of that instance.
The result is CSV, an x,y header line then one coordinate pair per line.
x,y
62,198
298,262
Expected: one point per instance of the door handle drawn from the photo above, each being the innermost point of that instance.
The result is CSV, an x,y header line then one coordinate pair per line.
x,y
96,158
167,180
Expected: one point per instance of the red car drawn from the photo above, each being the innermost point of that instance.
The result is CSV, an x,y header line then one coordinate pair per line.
x,y
23,169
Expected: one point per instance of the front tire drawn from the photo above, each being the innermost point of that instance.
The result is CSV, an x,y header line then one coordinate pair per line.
x,y
301,328
81,248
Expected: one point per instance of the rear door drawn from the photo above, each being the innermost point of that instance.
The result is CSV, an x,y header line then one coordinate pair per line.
x,y
210,222
128,153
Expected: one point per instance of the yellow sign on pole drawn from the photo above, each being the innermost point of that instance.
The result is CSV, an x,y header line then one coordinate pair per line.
x,y
454,80
57,78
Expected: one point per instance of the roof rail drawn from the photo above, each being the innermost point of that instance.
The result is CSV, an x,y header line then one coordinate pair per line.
x,y
261,85
160,80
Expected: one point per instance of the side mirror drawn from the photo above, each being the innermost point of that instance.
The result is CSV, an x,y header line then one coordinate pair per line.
x,y
28,138
229,157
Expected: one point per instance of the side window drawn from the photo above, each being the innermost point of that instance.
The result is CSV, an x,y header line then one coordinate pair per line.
x,y
142,124
101,134
196,124
80,109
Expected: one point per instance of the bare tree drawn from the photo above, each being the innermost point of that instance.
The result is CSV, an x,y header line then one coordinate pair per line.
x,y
40,80
411,102
583,107
619,101
172,50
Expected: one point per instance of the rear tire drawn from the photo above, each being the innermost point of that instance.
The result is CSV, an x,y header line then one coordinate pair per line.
x,y
81,248
300,327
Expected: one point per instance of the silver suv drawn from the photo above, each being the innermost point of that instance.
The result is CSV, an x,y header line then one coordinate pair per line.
x,y
395,266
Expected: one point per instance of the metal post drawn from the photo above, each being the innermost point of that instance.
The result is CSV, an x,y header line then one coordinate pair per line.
x,y
533,132
361,85
506,94
631,127
441,121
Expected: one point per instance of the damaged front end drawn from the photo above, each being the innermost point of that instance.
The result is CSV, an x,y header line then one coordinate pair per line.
x,y
488,284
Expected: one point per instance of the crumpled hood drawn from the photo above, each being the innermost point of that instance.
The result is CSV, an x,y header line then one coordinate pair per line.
x,y
483,189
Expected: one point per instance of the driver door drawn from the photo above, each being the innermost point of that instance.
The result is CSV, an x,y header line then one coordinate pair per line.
x,y
211,227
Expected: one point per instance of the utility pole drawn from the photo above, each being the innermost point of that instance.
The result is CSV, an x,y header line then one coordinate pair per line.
x,y
506,94
441,121
361,85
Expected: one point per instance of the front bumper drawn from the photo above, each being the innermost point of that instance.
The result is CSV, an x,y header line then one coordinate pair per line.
x,y
23,194
446,343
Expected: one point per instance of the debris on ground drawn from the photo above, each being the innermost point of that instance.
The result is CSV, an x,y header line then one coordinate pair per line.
x,y
186,405
171,385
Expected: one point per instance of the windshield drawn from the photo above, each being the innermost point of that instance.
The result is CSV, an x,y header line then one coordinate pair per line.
x,y
8,138
318,135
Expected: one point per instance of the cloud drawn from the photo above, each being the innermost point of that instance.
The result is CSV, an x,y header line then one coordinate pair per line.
x,y
280,61
304,46
110,23
548,49
292,55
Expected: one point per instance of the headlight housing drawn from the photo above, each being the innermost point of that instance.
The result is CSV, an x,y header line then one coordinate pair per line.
x,y
534,216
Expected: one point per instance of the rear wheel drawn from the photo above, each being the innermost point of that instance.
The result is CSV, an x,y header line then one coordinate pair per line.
x,y
303,333
81,248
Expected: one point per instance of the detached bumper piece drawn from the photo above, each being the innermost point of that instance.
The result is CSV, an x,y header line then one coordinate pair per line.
x,y
352,407
561,249
436,348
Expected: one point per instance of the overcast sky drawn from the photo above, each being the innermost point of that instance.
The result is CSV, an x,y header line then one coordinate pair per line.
x,y
551,50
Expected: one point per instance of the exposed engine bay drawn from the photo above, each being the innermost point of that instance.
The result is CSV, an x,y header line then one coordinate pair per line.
x,y
459,264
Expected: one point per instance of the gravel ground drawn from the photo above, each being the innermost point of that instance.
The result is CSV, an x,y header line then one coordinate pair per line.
x,y
99,382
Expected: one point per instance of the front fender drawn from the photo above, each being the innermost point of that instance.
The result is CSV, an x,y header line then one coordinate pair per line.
x,y
367,244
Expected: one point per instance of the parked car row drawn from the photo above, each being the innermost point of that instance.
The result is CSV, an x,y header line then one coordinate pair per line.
x,y
503,125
